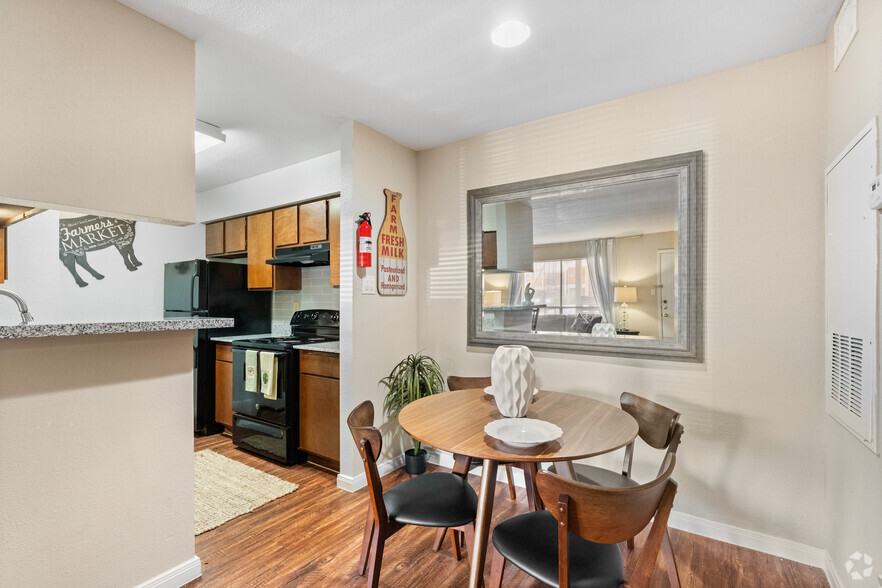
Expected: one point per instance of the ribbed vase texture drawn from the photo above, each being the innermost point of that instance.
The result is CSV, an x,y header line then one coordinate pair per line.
x,y
513,378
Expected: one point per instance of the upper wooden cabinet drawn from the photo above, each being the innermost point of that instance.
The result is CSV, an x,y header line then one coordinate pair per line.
x,y
261,275
234,235
314,222
226,238
214,239
285,233
334,238
3,267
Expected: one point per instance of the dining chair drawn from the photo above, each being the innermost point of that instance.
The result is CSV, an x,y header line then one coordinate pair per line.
x,y
574,543
659,427
430,500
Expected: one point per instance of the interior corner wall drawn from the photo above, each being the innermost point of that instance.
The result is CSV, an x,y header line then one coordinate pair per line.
x,y
313,178
376,331
751,456
852,507
98,111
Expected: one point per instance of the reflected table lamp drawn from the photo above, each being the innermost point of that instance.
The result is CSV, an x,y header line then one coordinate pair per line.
x,y
625,294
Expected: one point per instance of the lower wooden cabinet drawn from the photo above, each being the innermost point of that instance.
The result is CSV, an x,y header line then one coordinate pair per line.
x,y
223,385
320,408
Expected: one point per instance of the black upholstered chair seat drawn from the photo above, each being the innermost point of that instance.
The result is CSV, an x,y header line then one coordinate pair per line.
x,y
600,476
432,500
529,541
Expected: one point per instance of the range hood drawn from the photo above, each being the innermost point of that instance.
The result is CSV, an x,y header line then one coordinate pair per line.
x,y
303,256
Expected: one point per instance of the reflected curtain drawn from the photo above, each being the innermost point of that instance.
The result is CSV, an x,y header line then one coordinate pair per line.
x,y
516,284
601,256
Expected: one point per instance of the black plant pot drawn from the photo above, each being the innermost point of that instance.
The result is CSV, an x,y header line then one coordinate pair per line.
x,y
415,464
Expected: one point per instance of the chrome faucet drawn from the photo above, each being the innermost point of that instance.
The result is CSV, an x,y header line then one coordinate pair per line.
x,y
22,307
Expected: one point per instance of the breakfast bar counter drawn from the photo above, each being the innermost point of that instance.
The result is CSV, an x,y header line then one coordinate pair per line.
x,y
68,329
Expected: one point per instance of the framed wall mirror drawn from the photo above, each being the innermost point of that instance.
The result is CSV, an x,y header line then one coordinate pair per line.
x,y
603,261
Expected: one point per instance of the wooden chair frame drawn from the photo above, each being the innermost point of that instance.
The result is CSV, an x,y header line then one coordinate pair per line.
x,y
378,527
605,515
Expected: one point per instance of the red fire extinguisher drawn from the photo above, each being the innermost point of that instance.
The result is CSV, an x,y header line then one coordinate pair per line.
x,y
365,243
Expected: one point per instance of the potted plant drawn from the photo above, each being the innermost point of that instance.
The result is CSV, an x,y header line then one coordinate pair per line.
x,y
415,377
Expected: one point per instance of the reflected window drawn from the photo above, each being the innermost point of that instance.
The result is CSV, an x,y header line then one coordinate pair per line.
x,y
563,286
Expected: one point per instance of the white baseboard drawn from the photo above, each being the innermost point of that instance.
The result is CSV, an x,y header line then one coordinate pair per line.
x,y
832,575
177,576
798,552
353,483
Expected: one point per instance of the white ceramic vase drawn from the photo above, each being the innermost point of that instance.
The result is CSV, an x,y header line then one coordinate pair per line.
x,y
513,378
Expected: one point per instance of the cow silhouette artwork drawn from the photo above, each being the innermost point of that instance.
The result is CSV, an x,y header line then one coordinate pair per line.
x,y
80,235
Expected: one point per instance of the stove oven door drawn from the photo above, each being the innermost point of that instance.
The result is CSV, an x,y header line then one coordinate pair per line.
x,y
255,404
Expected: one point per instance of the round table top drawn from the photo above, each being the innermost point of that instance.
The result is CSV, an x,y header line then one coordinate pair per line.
x,y
454,421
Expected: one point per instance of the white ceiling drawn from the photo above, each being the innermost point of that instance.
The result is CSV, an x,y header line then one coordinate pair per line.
x,y
281,76
619,210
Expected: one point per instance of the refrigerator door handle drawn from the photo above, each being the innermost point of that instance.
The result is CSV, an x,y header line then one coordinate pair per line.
x,y
194,293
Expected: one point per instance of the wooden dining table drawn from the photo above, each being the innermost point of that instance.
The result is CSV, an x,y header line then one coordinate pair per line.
x,y
454,421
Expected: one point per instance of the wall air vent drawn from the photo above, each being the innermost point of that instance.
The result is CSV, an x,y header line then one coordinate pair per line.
x,y
852,285
846,388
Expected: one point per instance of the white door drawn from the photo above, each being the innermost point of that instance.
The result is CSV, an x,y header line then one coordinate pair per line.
x,y
851,288
667,294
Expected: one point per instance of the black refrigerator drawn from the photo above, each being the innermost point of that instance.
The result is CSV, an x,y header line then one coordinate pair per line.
x,y
201,288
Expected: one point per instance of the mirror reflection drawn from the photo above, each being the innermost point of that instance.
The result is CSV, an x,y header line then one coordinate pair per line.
x,y
603,257
600,261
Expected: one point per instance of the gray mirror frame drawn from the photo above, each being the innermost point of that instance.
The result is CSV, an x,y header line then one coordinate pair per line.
x,y
689,345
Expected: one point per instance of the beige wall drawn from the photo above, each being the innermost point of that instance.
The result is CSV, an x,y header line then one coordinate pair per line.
x,y
98,111
376,331
637,266
852,507
96,459
751,455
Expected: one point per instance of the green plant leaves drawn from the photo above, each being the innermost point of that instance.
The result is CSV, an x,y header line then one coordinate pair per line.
x,y
415,377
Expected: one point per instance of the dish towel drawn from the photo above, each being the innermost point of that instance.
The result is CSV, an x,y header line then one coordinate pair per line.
x,y
268,367
251,371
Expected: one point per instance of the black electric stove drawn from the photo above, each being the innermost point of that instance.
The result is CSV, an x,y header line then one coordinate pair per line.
x,y
270,426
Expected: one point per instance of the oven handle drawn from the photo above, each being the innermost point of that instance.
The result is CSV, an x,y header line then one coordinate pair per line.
x,y
260,428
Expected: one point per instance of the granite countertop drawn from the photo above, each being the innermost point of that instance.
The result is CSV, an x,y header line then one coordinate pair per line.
x,y
62,330
328,347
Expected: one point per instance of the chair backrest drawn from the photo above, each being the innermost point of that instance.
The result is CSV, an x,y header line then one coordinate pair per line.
x,y
466,383
610,515
369,441
658,426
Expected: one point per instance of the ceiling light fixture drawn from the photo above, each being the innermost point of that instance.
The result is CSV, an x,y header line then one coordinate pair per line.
x,y
207,136
510,34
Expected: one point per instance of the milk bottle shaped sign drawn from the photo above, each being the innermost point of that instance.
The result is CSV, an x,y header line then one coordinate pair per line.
x,y
392,250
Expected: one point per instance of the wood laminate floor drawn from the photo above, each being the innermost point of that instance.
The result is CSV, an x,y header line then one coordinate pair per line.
x,y
312,538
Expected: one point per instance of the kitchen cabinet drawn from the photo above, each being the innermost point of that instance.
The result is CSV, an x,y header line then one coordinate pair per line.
x,y
226,238
313,222
261,275
223,385
334,238
214,239
488,250
320,407
4,268
285,233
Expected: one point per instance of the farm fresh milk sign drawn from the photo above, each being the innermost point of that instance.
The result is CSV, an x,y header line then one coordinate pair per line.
x,y
392,250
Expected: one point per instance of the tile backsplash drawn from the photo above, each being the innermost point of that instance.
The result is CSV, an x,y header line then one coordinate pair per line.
x,y
316,293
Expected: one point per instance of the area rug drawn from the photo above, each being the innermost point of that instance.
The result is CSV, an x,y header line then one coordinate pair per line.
x,y
226,489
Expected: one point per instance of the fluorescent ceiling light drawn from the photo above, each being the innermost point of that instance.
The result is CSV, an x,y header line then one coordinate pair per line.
x,y
510,34
207,136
